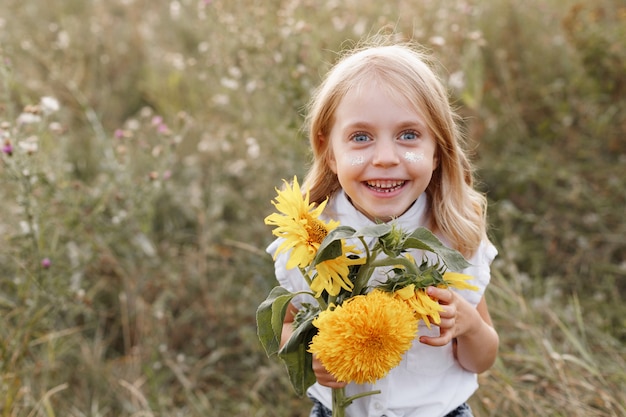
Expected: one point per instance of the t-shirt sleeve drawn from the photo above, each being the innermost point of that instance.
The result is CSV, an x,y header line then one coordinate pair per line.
x,y
290,279
480,269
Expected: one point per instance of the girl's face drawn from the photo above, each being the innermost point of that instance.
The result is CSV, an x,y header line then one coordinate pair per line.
x,y
382,152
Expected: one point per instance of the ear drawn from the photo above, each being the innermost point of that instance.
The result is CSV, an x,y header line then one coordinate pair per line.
x,y
436,157
332,162
435,161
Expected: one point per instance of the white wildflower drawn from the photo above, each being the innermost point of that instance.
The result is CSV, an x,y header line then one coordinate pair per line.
x,y
437,40
229,83
253,148
220,99
63,40
49,105
56,127
28,118
175,10
29,145
457,80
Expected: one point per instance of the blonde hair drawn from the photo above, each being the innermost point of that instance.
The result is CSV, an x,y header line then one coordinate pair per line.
x,y
457,210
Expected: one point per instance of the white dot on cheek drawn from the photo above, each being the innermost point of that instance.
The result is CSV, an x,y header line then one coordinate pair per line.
x,y
356,160
414,157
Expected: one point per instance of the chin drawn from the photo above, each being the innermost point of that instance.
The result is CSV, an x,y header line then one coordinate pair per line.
x,y
385,217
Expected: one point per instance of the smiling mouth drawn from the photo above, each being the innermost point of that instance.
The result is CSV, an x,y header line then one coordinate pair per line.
x,y
385,186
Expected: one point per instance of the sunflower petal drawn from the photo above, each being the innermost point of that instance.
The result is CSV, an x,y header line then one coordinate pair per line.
x,y
365,337
297,222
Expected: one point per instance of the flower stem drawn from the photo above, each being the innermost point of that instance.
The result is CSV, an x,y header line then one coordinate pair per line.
x,y
323,305
410,266
349,400
339,399
365,272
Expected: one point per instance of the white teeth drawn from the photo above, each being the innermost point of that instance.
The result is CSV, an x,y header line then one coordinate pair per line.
x,y
385,185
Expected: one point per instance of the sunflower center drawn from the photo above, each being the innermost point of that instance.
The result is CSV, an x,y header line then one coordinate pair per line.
x,y
376,343
316,230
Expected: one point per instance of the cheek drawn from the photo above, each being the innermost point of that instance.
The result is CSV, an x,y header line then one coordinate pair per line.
x,y
414,157
350,163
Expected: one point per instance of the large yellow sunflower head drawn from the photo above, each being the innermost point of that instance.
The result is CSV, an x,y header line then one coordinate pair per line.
x,y
298,222
365,337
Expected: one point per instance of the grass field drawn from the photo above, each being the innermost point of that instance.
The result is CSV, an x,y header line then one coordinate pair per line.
x,y
141,144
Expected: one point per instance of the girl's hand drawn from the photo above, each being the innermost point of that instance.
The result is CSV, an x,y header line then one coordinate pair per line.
x,y
475,340
324,377
457,318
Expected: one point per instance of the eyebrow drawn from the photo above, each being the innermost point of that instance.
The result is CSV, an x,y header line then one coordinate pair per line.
x,y
360,124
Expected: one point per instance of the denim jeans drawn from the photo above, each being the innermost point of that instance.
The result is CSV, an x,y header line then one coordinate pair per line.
x,y
319,410
462,410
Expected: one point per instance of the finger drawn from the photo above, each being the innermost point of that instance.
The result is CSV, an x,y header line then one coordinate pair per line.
x,y
449,312
442,340
444,295
445,324
324,377
332,384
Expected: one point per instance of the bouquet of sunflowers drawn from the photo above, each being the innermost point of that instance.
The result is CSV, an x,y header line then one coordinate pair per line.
x,y
358,332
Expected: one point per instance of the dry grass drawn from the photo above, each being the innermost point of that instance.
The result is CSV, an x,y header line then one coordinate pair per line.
x,y
148,187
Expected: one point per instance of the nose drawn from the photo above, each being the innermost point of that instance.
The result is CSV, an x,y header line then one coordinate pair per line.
x,y
385,154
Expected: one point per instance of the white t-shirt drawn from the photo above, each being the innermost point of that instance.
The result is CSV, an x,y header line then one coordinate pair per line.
x,y
428,382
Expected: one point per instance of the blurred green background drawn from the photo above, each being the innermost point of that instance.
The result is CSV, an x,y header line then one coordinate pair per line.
x,y
132,238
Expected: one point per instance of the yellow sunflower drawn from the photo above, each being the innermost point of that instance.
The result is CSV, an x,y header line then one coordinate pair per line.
x,y
365,337
332,274
420,303
298,222
459,281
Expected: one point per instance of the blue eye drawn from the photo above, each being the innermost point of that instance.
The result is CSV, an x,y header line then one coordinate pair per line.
x,y
409,135
359,137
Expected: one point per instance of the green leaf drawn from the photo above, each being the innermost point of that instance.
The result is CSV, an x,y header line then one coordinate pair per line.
x,y
300,368
377,230
298,361
331,251
302,334
424,239
270,316
330,248
338,233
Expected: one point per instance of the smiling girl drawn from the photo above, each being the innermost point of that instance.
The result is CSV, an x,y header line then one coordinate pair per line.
x,y
387,146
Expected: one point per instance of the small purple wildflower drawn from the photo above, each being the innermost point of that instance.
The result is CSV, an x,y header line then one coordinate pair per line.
x,y
7,149
163,128
46,263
